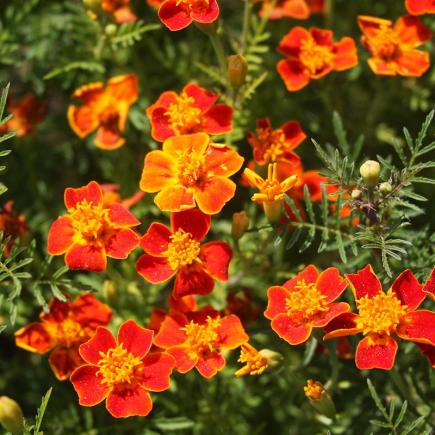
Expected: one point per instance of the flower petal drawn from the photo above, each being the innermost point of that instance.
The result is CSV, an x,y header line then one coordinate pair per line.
x,y
129,402
155,241
157,369
293,74
289,331
413,63
293,134
135,339
214,193
87,383
231,332
204,99
173,16
170,333
34,338
101,342
184,361
158,172
196,143
124,88
109,138
154,269
335,309
342,325
89,311
408,290
160,122
222,160
218,119
121,216
216,257
208,14
87,257
411,31
376,353
276,302
60,236
331,284
428,351
429,285
210,363
310,275
175,198
121,243
418,326
290,45
192,221
364,283
64,361
90,193
82,120
345,54
192,280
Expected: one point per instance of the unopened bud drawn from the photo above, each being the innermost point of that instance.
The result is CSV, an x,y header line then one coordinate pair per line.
x,y
273,358
273,210
237,70
385,187
11,416
356,194
110,29
319,398
93,5
370,171
240,223
110,291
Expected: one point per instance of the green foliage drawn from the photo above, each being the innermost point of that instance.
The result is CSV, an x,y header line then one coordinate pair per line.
x,y
34,429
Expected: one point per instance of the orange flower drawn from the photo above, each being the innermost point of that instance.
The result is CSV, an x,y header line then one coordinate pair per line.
x,y
111,196
155,3
191,171
255,362
121,371
198,343
26,115
12,225
298,9
178,251
271,146
120,9
194,110
91,231
104,109
420,7
393,48
178,14
311,54
381,315
62,330
305,302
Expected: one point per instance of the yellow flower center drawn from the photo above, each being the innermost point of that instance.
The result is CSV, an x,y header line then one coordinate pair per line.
x,y
380,314
89,222
190,168
305,302
202,337
182,250
184,117
315,57
68,332
256,364
385,44
313,390
272,143
118,366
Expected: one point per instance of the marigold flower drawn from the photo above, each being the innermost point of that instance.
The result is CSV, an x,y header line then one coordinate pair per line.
x,y
305,302
314,389
242,306
12,225
178,14
194,110
393,48
197,343
191,171
381,315
420,7
298,9
121,371
277,145
178,251
272,191
27,114
120,9
111,196
90,231
62,330
311,54
104,109
255,362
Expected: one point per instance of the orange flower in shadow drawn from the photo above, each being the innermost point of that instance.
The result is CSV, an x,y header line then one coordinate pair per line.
x,y
111,196
12,225
120,9
297,9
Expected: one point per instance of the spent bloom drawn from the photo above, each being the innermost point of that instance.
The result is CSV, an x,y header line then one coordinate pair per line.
x,y
311,54
178,14
178,251
199,342
393,48
121,371
104,109
297,9
90,231
255,363
62,330
193,110
191,171
383,315
420,7
305,302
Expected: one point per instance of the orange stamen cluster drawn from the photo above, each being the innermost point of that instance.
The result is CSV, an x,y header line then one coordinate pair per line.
x,y
385,44
380,314
272,189
315,57
272,142
190,166
67,332
183,115
313,390
255,362
182,250
202,337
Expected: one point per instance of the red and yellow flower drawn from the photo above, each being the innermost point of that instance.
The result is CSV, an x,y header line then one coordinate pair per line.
x,y
277,145
191,171
27,114
178,251
298,9
90,232
62,330
393,48
121,371
382,315
198,343
104,109
120,9
420,7
305,302
194,110
311,54
12,225
178,14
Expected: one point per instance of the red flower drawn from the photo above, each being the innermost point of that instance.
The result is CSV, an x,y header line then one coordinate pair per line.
x,y
420,7
429,285
197,343
121,371
381,315
242,306
12,224
91,231
305,302
178,251
393,48
312,54
63,330
178,14
194,110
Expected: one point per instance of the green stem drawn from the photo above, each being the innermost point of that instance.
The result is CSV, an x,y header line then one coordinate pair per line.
x,y
335,366
216,42
246,28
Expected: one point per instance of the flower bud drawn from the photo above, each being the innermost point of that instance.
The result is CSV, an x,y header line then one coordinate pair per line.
x,y
273,210
93,5
273,358
236,70
356,194
370,171
11,416
319,398
385,188
110,29
110,291
240,224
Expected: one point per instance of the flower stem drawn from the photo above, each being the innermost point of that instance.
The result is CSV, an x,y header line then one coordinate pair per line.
x,y
216,42
246,28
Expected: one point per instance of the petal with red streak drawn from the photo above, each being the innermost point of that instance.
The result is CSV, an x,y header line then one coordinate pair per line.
x,y
411,31
204,99
428,351
121,216
157,369
87,257
231,332
155,241
175,198
309,275
289,331
293,134
154,269
192,221
184,359
101,342
214,193
429,285
124,88
121,243
109,138
342,325
376,353
174,16
290,45
216,257
89,311
87,383
64,361
364,283
192,280
160,123
210,363
408,290
129,402
90,193
218,119
331,284
413,63
334,310
82,120
170,333
34,338
206,15
371,25
222,160
418,326
135,339
293,74
276,302
60,236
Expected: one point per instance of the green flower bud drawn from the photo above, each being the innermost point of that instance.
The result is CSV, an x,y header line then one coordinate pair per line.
x,y
273,358
111,29
385,188
237,70
319,398
11,416
240,223
370,171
